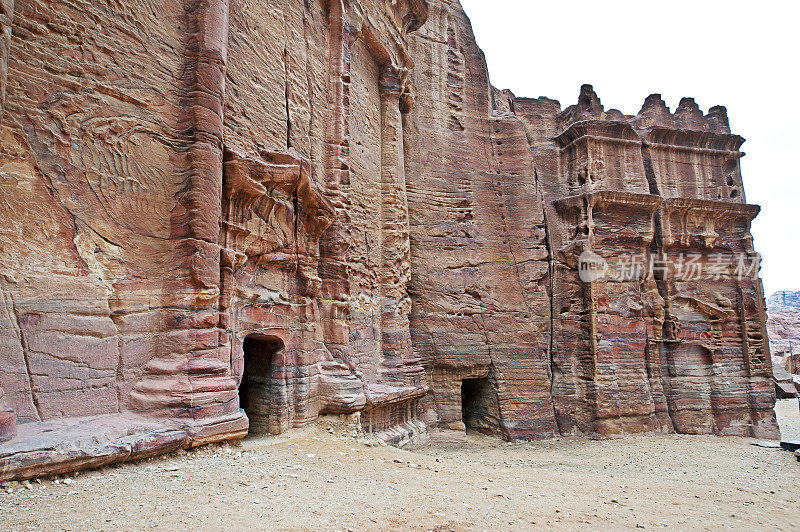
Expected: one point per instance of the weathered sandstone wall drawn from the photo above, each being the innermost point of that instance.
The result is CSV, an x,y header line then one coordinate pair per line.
x,y
480,275
222,216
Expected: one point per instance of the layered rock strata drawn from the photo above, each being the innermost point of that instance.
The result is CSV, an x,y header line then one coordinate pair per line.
x,y
783,323
223,217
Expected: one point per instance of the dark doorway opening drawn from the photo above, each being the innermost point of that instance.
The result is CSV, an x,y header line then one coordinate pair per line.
x,y
260,386
480,410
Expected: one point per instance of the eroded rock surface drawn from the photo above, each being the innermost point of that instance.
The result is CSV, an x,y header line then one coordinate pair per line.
x,y
227,216
783,323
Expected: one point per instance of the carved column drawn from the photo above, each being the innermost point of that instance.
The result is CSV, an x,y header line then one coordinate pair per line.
x,y
6,18
395,268
335,242
191,378
8,422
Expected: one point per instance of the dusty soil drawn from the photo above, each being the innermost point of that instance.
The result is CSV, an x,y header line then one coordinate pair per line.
x,y
324,478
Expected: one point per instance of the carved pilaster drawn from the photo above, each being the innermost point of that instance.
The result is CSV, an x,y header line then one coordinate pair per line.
x,y
395,268
6,18
190,378
335,241
8,427
195,224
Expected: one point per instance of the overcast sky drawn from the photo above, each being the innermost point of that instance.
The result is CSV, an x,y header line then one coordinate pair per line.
x,y
740,54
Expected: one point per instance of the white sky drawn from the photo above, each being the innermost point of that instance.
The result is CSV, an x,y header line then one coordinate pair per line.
x,y
744,55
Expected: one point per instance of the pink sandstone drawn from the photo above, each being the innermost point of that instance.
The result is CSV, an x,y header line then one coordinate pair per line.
x,y
222,217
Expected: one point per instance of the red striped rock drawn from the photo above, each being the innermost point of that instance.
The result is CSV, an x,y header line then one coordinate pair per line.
x,y
230,217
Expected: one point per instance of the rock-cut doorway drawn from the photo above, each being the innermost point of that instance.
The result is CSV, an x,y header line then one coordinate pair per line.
x,y
480,410
261,383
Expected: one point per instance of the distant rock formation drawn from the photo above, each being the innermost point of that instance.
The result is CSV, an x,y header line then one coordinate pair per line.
x,y
783,324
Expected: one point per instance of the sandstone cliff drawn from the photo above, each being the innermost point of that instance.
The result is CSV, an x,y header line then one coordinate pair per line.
x,y
223,216
783,323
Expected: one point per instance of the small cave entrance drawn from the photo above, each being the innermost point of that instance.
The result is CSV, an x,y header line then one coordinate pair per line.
x,y
480,410
260,387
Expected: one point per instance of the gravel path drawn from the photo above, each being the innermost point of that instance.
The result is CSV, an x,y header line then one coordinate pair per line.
x,y
322,478
788,411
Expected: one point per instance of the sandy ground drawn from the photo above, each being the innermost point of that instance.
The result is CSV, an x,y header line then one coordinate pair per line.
x,y
324,478
789,419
